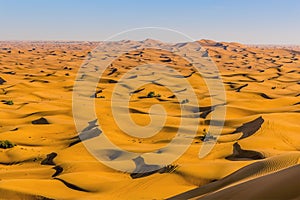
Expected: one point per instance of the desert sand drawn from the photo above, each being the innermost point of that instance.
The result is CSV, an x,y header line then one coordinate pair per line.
x,y
256,156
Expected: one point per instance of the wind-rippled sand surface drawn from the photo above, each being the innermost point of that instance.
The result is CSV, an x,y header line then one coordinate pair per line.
x,y
256,156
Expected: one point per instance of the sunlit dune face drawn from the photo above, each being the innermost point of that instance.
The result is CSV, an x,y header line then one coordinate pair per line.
x,y
144,97
42,157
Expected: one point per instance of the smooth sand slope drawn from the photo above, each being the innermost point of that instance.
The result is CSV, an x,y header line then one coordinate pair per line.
x,y
256,157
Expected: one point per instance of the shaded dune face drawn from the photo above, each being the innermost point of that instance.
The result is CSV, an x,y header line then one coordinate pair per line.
x,y
258,147
241,154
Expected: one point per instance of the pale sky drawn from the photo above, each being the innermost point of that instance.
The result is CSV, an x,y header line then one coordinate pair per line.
x,y
245,21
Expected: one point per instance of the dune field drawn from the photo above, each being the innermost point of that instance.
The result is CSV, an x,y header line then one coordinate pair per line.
x,y
257,155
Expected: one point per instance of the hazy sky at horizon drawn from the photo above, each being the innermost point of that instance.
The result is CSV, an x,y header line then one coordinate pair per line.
x,y
246,21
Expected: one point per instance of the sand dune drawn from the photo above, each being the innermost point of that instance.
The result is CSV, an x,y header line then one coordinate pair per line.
x,y
255,157
259,168
280,185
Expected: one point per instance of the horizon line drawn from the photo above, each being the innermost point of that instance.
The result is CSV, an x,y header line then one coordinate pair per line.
x,y
97,41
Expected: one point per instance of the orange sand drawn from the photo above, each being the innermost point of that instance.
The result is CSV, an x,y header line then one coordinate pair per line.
x,y
259,82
